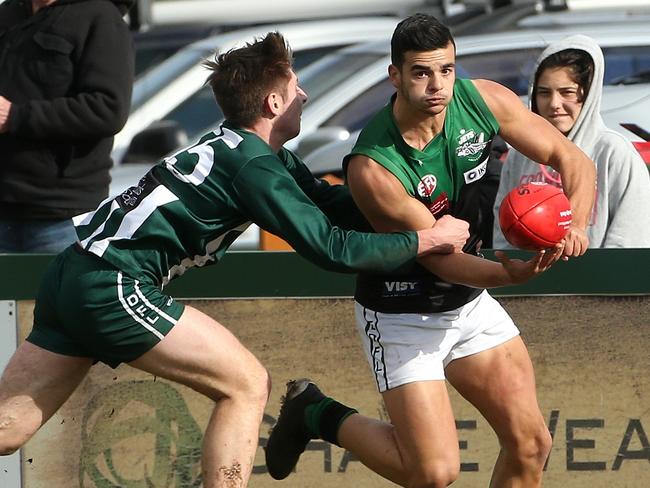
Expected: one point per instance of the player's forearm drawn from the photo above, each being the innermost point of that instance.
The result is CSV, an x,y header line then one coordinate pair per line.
x,y
581,192
578,174
466,269
581,208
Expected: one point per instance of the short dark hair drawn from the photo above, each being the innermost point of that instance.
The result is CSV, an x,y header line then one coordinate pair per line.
x,y
241,78
419,32
579,63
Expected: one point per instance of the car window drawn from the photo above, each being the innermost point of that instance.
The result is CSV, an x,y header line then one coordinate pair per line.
x,y
305,57
155,45
196,113
199,112
160,76
624,63
148,57
356,114
514,68
331,71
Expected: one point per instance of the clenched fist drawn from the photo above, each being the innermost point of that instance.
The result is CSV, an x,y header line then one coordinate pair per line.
x,y
448,235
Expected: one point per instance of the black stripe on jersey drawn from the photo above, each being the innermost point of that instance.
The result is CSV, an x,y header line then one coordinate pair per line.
x,y
130,198
376,349
474,200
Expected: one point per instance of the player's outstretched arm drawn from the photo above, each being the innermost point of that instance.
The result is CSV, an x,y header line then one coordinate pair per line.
x,y
387,206
537,139
268,195
469,270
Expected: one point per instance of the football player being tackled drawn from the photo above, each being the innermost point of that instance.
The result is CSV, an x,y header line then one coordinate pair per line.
x,y
418,159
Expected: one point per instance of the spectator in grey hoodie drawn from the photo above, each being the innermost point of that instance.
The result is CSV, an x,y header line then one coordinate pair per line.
x,y
566,90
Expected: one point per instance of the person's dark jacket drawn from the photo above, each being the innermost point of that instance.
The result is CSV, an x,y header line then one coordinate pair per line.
x,y
68,71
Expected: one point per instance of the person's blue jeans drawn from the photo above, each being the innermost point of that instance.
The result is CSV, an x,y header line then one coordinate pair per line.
x,y
36,236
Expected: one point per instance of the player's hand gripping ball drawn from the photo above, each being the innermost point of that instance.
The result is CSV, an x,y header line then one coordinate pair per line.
x,y
535,216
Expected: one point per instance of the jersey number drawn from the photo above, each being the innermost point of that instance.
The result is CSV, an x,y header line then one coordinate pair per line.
x,y
205,154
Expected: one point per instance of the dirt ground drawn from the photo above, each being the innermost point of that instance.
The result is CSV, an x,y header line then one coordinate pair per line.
x,y
123,428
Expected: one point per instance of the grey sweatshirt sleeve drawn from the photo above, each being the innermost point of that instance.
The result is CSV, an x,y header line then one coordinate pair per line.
x,y
623,194
507,182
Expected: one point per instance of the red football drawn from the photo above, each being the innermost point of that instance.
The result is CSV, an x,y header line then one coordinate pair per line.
x,y
535,216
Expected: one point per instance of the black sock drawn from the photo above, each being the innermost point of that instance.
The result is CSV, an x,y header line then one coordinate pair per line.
x,y
325,417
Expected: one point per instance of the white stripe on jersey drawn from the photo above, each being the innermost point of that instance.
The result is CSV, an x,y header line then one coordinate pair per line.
x,y
139,320
205,152
85,218
135,218
98,230
210,249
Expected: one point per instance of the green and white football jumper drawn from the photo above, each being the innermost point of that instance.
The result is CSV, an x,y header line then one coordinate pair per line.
x,y
445,177
185,212
189,209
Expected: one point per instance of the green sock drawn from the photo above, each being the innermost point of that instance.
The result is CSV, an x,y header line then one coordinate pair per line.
x,y
313,414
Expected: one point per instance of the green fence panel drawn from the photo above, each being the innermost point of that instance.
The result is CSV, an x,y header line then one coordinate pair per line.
x,y
286,274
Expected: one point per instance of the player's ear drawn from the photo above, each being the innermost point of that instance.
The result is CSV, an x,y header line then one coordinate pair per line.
x,y
273,103
394,75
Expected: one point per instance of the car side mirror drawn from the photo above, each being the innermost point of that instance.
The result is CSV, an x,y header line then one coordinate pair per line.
x,y
154,142
320,137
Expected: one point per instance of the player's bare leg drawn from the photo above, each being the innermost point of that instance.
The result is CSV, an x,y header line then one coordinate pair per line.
x,y
500,383
34,385
204,355
420,448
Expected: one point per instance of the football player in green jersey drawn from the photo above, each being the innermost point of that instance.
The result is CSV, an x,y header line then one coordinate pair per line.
x,y
102,299
420,158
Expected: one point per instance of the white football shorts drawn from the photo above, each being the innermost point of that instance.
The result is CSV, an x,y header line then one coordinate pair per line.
x,y
407,347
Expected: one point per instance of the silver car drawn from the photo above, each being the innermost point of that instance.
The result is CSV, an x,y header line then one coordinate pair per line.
x,y
174,91
506,57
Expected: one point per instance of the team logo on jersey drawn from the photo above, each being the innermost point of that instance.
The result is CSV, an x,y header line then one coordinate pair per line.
x,y
427,186
471,144
132,196
476,173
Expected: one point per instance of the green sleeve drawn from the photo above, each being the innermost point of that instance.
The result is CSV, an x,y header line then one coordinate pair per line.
x,y
271,197
335,201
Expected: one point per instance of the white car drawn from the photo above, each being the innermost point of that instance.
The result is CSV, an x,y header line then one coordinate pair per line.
x,y
174,90
237,12
173,94
506,57
347,87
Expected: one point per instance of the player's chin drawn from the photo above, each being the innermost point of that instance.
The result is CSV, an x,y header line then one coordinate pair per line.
x,y
433,109
291,134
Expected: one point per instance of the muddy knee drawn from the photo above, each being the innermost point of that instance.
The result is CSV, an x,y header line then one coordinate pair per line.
x,y
7,449
13,435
